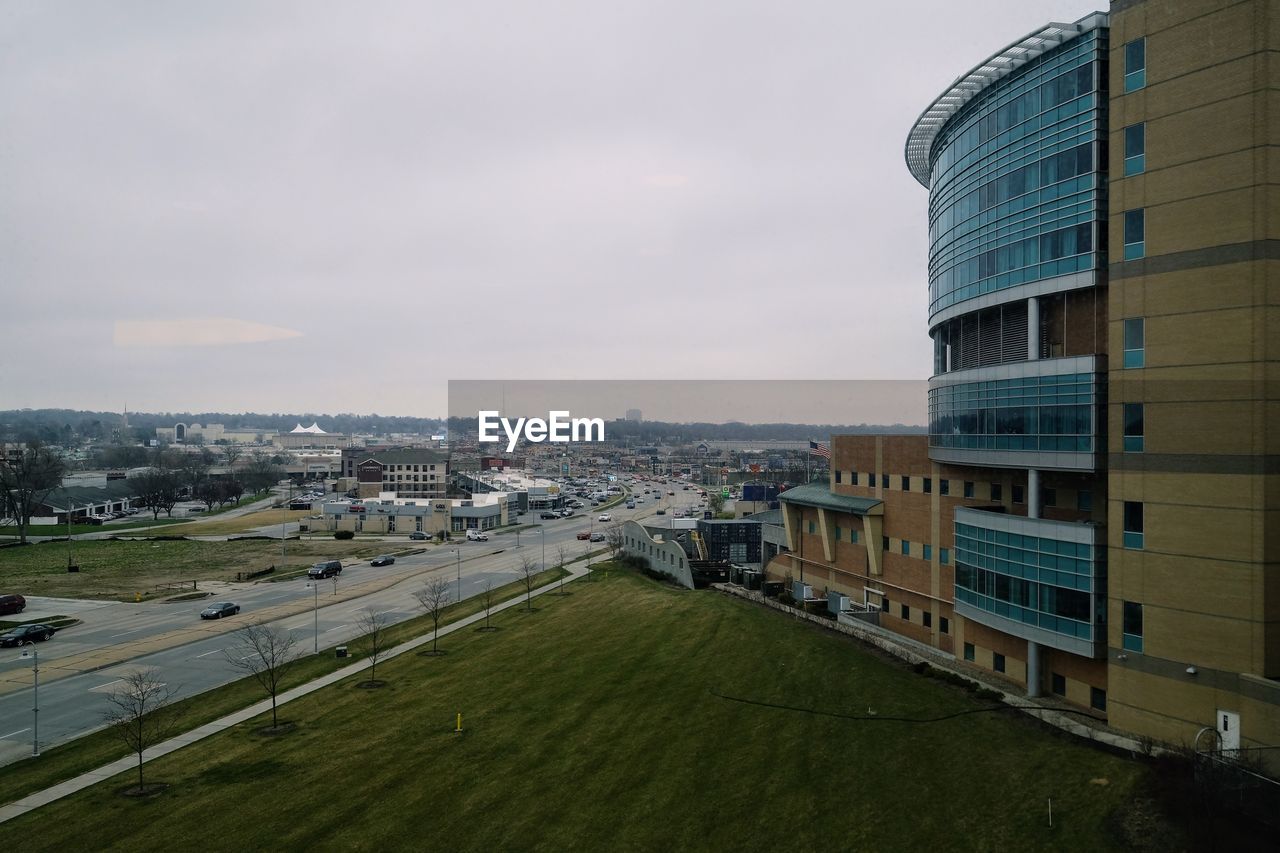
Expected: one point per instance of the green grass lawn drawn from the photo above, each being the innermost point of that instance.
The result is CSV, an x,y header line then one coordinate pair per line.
x,y
591,724
119,569
11,532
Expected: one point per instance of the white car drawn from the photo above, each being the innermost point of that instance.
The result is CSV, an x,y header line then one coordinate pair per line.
x,y
604,516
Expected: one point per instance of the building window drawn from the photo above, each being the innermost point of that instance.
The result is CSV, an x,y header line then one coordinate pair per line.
x,y
968,651
1135,65
906,548
997,662
1135,149
884,604
968,488
1131,626
886,543
944,487
884,481
1133,427
1048,497
1084,500
928,485
853,536
928,552
839,474
837,533
871,480
927,618
1133,524
812,527
944,625
1135,234
905,612
1019,495
1135,343
906,483
944,556
1059,684
1097,699
997,492
853,478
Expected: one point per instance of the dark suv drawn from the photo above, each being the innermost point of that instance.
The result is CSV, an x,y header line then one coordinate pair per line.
x,y
327,569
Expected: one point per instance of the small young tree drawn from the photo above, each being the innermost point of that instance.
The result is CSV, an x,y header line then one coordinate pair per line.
x,y
486,600
140,714
527,571
266,653
615,540
433,597
562,557
373,626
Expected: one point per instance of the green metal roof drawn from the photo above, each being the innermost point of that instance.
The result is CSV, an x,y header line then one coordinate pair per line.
x,y
82,496
820,496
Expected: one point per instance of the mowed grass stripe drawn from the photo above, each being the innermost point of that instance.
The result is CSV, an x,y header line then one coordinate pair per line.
x,y
589,725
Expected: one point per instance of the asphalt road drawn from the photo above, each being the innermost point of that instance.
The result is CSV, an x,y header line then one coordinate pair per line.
x,y
73,706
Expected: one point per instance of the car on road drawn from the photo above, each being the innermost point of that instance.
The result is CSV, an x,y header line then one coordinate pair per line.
x,y
474,535
418,534
383,560
327,569
604,516
550,515
662,512
24,634
631,504
12,603
597,537
219,610
584,535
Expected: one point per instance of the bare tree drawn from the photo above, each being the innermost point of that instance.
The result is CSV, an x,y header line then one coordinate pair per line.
x,y
157,490
266,653
562,557
27,476
433,597
527,571
614,539
141,713
230,454
373,625
486,599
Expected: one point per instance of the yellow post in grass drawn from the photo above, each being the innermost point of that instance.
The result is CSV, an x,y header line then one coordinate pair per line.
x,y
137,596
458,730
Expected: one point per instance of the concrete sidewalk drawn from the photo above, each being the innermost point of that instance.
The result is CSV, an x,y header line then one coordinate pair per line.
x,y
123,765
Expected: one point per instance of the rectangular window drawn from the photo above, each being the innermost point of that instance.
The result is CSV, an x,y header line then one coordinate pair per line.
x,y
884,604
944,487
927,617
1135,149
944,556
837,533
1131,626
1133,525
812,527
1018,494
1133,427
928,552
944,625
1084,500
968,488
997,492
1135,234
906,548
968,651
853,536
839,474
928,485
906,483
1135,65
886,543
997,662
871,480
853,478
1059,684
1135,342
904,611
884,481
1048,497
1097,698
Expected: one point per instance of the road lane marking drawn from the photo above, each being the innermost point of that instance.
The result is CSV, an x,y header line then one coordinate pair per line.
x,y
339,628
105,686
206,654
134,631
18,732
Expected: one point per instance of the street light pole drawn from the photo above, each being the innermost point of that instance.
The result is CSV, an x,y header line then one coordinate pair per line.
x,y
34,654
458,553
315,613
543,531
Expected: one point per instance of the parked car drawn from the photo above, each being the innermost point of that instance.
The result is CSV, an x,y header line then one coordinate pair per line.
x,y
662,512
474,535
604,516
418,534
219,610
12,603
384,560
327,569
584,535
597,537
550,515
26,634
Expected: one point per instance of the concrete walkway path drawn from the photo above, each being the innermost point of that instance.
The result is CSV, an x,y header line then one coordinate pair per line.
x,y
123,765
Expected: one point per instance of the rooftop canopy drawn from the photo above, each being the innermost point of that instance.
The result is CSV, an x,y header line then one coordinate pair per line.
x,y
818,495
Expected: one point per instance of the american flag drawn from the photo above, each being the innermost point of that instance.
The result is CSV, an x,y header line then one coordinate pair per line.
x,y
817,448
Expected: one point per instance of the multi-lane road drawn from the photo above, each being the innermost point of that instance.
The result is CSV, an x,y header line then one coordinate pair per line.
x,y
191,654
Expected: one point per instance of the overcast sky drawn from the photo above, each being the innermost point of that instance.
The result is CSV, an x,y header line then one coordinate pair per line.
x,y
339,206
